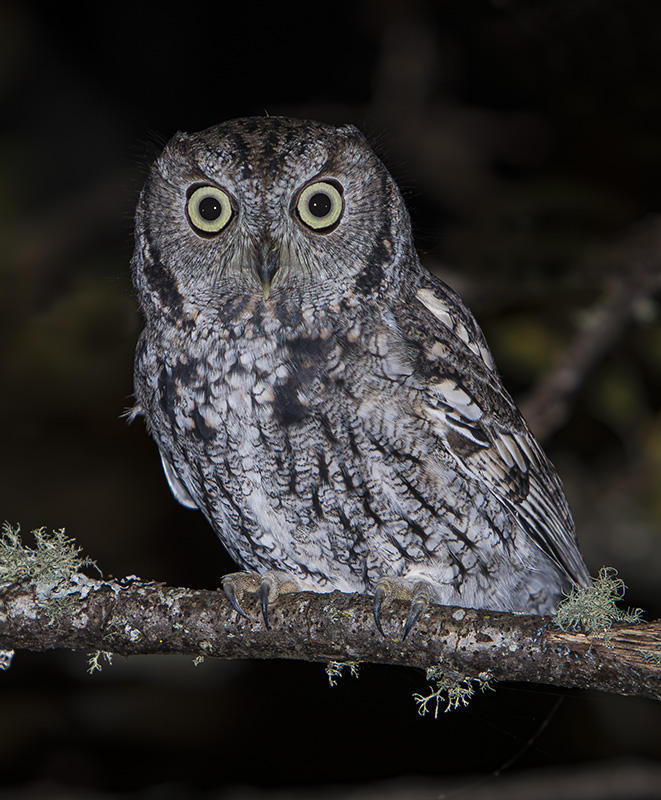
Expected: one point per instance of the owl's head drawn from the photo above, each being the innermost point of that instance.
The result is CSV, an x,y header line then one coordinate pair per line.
x,y
263,204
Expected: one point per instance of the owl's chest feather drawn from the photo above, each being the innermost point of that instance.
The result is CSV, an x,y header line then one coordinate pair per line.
x,y
222,383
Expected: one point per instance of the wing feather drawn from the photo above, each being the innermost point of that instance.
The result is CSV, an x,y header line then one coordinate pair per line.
x,y
463,397
177,488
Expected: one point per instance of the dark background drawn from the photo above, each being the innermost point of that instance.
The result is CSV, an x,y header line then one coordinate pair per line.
x,y
527,139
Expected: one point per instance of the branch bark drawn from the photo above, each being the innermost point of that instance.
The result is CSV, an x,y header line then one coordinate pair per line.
x,y
133,616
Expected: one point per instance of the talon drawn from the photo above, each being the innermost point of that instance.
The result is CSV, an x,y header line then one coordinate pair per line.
x,y
263,592
267,587
379,596
417,607
230,594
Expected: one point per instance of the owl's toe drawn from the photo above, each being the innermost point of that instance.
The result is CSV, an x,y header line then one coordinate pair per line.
x,y
381,593
236,583
272,586
420,599
268,587
418,593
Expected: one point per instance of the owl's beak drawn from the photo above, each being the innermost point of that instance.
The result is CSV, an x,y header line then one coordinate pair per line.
x,y
268,262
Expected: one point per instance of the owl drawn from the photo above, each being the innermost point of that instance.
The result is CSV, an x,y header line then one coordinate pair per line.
x,y
330,406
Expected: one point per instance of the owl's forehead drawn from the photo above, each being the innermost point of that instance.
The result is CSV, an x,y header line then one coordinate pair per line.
x,y
268,149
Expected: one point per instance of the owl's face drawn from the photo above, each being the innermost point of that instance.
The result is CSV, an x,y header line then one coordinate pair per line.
x,y
258,205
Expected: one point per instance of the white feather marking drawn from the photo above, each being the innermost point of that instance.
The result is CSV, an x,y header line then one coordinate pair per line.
x,y
437,307
459,399
436,414
511,445
446,420
465,431
462,333
523,443
486,356
503,451
211,417
443,313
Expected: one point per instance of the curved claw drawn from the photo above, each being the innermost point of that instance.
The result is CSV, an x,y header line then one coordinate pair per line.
x,y
263,592
379,597
418,592
268,587
417,607
230,594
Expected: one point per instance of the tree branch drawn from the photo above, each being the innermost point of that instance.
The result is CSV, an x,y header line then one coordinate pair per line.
x,y
636,279
133,616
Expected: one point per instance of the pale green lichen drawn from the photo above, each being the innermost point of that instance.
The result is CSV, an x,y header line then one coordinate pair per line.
x,y
206,648
452,689
54,558
119,625
50,565
653,656
593,609
6,657
95,659
334,670
335,615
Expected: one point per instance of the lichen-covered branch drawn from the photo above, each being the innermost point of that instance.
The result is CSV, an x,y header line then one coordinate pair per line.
x,y
132,616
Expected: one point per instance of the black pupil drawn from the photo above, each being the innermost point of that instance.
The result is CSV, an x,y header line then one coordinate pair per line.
x,y
209,208
319,204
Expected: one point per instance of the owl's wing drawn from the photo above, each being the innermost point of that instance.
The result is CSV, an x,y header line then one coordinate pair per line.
x,y
468,409
177,488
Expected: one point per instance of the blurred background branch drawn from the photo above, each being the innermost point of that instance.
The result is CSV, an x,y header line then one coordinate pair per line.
x,y
627,294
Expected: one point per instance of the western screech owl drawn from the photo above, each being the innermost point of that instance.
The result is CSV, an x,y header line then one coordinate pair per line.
x,y
331,407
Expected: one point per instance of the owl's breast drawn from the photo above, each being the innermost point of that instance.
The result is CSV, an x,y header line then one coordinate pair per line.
x,y
227,385
254,427
299,447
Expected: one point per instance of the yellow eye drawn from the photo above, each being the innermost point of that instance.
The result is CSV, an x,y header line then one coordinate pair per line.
x,y
209,209
320,206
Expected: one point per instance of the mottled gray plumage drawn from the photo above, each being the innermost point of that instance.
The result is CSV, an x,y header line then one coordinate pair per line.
x,y
330,407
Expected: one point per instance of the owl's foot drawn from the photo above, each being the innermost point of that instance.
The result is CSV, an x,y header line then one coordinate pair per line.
x,y
419,593
268,587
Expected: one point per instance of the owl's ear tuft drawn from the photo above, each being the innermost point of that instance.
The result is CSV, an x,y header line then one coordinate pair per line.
x,y
179,141
178,146
351,132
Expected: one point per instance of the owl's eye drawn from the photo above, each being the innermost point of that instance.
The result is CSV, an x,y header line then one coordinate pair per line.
x,y
320,206
209,209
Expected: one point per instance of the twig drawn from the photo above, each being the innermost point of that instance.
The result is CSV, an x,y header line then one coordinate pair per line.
x,y
638,279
